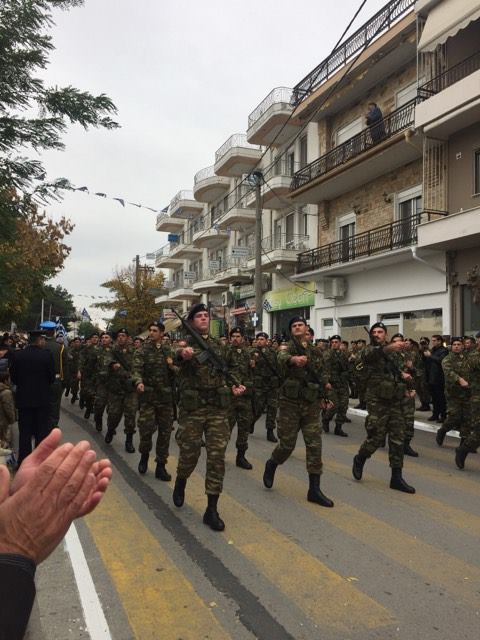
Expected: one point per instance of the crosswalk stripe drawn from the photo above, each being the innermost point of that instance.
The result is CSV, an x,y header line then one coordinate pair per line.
x,y
342,606
459,578
159,601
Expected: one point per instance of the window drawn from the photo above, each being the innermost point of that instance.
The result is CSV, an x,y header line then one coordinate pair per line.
x,y
408,211
476,171
290,228
406,94
348,131
303,152
304,221
353,327
346,232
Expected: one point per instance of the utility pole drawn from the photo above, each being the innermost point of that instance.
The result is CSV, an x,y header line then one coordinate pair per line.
x,y
257,179
137,275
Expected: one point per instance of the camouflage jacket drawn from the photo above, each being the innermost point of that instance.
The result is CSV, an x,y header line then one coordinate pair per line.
x,y
337,366
456,366
384,380
265,373
104,358
120,380
88,361
474,373
194,375
73,360
302,383
240,362
153,365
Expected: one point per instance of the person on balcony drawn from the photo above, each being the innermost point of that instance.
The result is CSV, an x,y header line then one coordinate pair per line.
x,y
374,119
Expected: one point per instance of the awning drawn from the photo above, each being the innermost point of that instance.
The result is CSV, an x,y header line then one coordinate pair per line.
x,y
445,20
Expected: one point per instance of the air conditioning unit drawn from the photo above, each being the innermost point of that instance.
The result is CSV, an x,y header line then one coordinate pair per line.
x,y
334,287
227,298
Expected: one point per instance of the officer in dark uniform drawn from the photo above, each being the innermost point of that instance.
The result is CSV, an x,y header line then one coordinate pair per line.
x,y
59,353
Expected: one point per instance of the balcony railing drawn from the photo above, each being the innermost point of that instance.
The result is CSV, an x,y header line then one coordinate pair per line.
x,y
278,95
388,237
286,242
450,76
163,251
184,194
237,140
388,127
203,174
362,38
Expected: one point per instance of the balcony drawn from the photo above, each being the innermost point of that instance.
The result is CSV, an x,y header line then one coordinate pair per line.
x,y
184,205
207,186
238,212
451,100
454,232
278,179
381,246
373,152
207,235
182,290
165,260
365,36
184,249
207,282
233,271
236,156
271,121
169,224
280,249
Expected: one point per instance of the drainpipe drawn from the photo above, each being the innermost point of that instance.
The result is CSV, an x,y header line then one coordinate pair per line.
x,y
418,259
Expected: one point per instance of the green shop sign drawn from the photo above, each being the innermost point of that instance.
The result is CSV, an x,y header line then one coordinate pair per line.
x,y
291,298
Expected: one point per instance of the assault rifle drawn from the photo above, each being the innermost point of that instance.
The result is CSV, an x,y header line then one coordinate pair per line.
x,y
310,370
390,365
207,354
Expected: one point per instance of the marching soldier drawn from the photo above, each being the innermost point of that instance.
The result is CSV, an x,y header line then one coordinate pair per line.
x,y
101,390
239,358
304,384
360,375
87,374
457,390
60,358
122,398
405,364
385,392
266,382
336,363
472,441
205,396
73,357
153,377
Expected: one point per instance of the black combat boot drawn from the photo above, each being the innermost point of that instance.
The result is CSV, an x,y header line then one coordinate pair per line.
x,y
161,473
81,403
440,436
397,482
109,435
326,426
87,413
211,516
143,464
269,473
358,464
241,460
347,420
129,448
179,491
408,451
424,407
271,436
73,399
98,422
461,454
67,392
314,494
339,431
252,428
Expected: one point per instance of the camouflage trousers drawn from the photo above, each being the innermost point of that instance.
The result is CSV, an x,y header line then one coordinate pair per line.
x,y
458,414
385,417
266,398
87,391
472,441
241,414
295,416
73,384
101,397
211,422
408,409
423,392
339,396
155,416
119,404
361,390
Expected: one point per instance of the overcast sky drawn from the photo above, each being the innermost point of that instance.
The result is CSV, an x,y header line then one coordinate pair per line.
x,y
184,76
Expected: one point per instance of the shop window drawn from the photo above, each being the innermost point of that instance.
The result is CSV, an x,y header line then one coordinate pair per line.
x,y
352,328
425,322
471,312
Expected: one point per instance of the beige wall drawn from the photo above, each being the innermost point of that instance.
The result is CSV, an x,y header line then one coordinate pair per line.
x,y
374,211
462,146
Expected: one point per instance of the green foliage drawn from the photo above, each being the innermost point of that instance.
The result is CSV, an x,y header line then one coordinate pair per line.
x,y
86,328
57,302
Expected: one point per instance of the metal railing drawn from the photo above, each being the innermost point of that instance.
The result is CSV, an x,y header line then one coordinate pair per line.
x,y
198,225
450,76
283,241
233,262
362,38
207,274
184,194
390,125
237,140
278,95
163,252
395,235
203,174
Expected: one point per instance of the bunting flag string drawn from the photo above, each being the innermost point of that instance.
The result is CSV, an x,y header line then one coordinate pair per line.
x,y
122,201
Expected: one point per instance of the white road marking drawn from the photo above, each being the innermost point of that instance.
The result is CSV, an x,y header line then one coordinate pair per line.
x,y
95,620
421,426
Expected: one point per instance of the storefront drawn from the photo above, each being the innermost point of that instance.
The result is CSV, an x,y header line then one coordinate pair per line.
x,y
282,304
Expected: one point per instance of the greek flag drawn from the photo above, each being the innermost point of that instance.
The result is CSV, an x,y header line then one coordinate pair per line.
x,y
85,315
267,306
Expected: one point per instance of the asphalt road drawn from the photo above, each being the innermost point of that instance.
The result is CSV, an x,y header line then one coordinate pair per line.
x,y
380,565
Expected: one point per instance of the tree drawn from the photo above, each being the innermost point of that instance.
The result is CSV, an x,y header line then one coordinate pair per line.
x,y
57,303
134,304
86,328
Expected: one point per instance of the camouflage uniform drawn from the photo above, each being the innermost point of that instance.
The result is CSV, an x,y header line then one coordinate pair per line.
x,y
472,441
359,372
59,353
337,366
153,366
73,359
88,370
122,397
385,393
266,382
299,407
403,360
104,355
455,366
205,398
241,411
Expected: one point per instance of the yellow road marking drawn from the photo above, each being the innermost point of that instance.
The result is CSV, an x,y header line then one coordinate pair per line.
x,y
459,578
158,600
327,598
